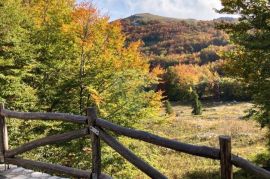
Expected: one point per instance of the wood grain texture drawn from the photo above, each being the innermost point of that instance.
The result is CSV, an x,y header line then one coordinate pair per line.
x,y
250,167
225,157
47,140
3,135
202,151
131,157
49,168
44,116
96,148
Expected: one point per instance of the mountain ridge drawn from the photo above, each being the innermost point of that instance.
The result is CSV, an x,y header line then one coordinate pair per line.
x,y
155,17
151,16
177,40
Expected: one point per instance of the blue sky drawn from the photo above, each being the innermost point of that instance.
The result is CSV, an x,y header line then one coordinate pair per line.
x,y
196,9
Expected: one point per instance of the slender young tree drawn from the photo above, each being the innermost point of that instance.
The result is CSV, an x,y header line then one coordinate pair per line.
x,y
196,103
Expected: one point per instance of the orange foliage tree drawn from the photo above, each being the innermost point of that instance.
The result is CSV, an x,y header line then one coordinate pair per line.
x,y
180,79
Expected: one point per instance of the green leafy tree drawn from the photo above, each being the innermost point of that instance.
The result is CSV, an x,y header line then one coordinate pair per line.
x,y
59,56
16,56
55,51
108,74
250,59
65,58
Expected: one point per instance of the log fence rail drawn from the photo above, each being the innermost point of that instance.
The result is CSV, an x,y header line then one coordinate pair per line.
x,y
96,128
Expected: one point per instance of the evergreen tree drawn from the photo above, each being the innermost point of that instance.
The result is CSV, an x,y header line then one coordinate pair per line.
x,y
250,59
196,103
168,107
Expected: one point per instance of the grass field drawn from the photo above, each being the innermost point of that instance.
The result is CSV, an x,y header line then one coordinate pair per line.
x,y
248,140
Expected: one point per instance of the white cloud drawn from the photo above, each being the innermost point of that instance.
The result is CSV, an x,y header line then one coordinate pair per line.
x,y
197,9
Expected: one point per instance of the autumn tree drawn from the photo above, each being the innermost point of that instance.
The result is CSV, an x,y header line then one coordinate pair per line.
x,y
61,56
109,75
181,78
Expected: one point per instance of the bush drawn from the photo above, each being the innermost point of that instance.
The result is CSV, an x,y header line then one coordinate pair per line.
x,y
208,55
197,105
168,107
232,89
174,90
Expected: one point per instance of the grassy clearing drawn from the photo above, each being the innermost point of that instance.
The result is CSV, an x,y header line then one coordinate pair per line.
x,y
248,140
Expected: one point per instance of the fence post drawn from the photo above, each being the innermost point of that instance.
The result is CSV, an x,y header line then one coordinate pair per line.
x,y
3,135
96,149
225,157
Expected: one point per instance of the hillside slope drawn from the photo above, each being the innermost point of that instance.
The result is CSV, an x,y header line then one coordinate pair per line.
x,y
189,52
175,40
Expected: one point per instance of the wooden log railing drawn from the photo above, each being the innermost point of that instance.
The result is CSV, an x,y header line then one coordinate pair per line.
x,y
96,129
57,169
47,140
3,135
96,149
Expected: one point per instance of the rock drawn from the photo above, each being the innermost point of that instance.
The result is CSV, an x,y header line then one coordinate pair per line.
x,y
17,170
40,175
20,177
14,172
54,177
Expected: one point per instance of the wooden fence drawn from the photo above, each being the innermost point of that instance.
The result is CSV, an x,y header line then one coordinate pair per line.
x,y
96,129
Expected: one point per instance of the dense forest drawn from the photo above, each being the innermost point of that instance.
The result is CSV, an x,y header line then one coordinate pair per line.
x,y
164,36
190,54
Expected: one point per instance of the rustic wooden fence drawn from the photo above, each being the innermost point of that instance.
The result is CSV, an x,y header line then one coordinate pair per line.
x,y
96,129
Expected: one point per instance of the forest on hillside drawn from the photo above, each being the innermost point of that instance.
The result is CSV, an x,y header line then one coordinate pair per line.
x,y
190,53
63,56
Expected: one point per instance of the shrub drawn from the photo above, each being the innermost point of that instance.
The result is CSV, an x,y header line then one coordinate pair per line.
x,y
232,89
